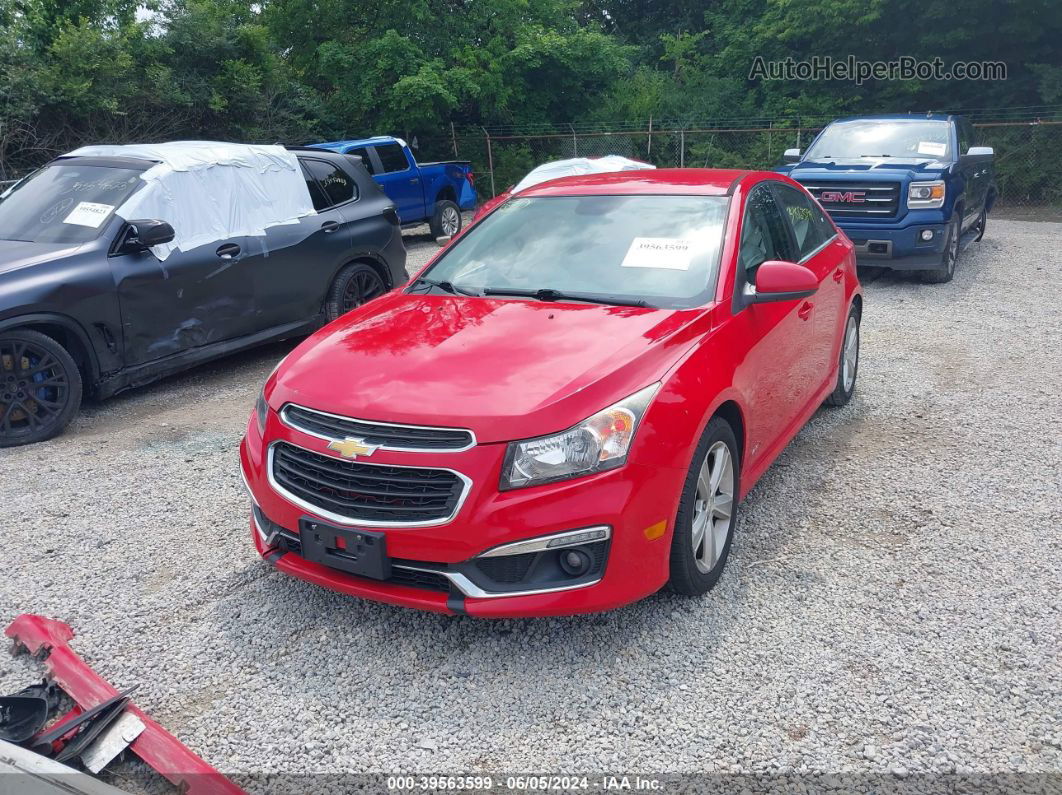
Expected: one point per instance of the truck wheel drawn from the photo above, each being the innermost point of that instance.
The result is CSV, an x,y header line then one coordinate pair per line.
x,y
40,387
981,225
355,284
951,257
446,220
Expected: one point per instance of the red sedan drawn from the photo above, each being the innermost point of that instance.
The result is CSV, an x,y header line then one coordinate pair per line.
x,y
561,412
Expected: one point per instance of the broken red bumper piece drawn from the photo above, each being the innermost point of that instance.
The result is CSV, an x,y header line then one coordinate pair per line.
x,y
49,640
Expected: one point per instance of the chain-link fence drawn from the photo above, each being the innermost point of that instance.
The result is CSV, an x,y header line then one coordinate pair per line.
x,y
1027,162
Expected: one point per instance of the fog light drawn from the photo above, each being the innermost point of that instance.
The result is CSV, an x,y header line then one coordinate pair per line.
x,y
927,234
574,562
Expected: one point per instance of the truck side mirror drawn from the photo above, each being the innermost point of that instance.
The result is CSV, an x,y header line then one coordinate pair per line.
x,y
981,151
791,156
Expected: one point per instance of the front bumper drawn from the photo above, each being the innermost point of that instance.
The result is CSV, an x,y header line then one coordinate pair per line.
x,y
627,500
900,246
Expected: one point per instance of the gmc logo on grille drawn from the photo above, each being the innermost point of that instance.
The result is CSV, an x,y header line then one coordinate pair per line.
x,y
844,197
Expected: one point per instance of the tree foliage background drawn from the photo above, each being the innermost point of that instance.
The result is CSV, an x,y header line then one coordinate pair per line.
x,y
84,71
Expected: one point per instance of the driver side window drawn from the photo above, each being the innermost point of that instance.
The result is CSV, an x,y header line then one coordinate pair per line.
x,y
763,233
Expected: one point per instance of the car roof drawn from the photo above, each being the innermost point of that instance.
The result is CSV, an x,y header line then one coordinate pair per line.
x,y
377,139
660,181
930,116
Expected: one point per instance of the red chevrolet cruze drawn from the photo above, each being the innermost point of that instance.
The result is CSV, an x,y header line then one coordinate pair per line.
x,y
562,411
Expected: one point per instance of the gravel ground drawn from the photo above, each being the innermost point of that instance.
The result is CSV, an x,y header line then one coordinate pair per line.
x,y
891,604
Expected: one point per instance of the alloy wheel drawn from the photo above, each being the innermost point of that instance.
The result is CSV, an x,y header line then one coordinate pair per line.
x,y
34,388
713,506
362,286
850,354
451,221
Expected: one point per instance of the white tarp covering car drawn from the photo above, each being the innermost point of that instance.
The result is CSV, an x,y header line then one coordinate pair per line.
x,y
578,165
209,190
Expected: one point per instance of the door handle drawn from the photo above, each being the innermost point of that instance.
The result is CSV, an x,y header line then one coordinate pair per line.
x,y
838,274
228,251
805,310
328,227
414,181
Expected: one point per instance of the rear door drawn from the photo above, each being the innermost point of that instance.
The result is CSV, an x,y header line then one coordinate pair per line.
x,y
817,248
774,374
294,263
398,176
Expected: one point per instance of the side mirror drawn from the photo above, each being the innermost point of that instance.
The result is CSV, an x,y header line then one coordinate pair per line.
x,y
147,232
777,280
981,151
791,156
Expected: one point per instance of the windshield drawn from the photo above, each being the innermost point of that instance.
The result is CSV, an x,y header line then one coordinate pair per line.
x,y
64,203
920,140
660,249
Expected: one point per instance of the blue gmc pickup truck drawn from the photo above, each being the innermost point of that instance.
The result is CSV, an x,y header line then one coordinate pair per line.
x,y
911,191
432,192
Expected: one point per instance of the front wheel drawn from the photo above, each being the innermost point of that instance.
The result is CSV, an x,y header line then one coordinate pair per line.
x,y
40,387
704,526
354,285
946,270
446,221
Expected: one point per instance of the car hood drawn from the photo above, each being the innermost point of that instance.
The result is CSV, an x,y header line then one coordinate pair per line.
x,y
507,369
22,253
840,169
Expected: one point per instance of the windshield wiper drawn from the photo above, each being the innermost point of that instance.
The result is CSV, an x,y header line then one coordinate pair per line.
x,y
448,287
875,155
547,294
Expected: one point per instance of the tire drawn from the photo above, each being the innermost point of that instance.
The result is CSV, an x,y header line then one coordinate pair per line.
x,y
946,271
40,387
446,220
848,362
695,569
981,225
354,285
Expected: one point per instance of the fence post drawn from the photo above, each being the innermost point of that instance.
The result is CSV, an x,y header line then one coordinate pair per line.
x,y
770,128
453,137
649,147
490,162
575,142
682,148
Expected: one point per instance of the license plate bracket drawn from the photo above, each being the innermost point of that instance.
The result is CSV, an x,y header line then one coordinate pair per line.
x,y
359,552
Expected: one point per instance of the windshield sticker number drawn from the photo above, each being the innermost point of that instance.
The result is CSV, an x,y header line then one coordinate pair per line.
x,y
89,214
931,148
669,253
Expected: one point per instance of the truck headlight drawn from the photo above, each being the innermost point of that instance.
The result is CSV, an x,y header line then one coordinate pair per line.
x,y
598,443
925,195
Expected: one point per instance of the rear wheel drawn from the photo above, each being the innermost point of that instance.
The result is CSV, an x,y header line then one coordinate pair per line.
x,y
946,270
446,219
40,387
354,285
848,367
704,526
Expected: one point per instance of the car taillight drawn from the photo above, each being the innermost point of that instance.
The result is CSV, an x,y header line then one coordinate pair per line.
x,y
471,178
392,215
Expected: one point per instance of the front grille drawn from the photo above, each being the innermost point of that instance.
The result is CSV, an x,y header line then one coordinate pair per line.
x,y
841,199
366,492
392,437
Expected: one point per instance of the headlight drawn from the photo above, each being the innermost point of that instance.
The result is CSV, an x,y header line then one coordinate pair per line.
x,y
594,445
925,195
261,407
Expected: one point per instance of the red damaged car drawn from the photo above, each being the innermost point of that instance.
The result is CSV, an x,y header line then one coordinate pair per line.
x,y
562,411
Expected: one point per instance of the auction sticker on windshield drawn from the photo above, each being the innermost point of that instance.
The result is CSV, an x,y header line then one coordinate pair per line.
x,y
932,148
659,252
89,214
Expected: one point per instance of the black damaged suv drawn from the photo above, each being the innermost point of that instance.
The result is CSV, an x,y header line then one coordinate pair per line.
x,y
87,309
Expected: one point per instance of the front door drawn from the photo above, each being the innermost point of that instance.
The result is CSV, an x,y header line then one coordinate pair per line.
x,y
190,299
400,181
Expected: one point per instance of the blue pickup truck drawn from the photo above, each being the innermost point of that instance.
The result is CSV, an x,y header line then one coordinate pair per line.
x,y
432,192
911,191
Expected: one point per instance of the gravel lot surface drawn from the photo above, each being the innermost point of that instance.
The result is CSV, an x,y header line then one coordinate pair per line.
x,y
891,605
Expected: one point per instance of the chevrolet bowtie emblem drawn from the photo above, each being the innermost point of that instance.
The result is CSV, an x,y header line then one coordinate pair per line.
x,y
352,448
